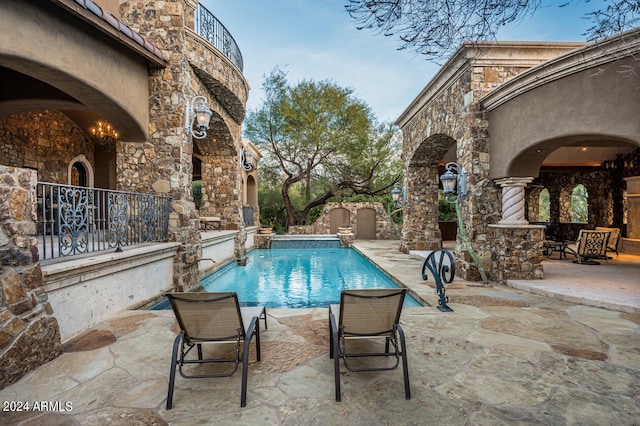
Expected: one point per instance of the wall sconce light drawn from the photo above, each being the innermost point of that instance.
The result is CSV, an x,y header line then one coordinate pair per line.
x,y
105,135
246,158
198,114
451,181
396,192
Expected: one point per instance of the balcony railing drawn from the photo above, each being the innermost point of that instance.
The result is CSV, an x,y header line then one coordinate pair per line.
x,y
207,26
74,220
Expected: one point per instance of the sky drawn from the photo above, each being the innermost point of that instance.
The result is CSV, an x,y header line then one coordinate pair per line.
x,y
317,40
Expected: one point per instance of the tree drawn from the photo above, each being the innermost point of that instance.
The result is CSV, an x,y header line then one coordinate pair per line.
x,y
435,28
319,142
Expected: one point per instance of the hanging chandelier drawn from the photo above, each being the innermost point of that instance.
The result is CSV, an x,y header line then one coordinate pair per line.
x,y
105,135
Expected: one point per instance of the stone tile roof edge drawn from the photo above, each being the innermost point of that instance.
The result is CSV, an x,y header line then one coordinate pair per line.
x,y
116,23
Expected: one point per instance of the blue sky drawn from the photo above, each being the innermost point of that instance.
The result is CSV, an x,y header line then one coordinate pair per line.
x,y
316,39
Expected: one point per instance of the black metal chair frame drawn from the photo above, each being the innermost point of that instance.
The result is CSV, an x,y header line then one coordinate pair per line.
x,y
184,343
394,337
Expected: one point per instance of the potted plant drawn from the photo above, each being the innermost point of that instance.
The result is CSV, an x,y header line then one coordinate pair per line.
x,y
345,230
264,229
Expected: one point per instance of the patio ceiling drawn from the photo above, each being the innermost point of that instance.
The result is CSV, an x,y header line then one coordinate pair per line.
x,y
584,155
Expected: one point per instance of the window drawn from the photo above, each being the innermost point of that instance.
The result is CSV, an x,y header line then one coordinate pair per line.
x,y
579,204
544,206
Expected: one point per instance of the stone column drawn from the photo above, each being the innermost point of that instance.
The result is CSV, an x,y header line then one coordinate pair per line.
x,y
29,333
513,212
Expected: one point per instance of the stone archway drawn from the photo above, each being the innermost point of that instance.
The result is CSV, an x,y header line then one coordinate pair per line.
x,y
421,230
221,185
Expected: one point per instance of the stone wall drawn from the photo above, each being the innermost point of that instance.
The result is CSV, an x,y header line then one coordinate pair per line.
x,y
164,163
322,225
29,334
516,252
599,184
45,141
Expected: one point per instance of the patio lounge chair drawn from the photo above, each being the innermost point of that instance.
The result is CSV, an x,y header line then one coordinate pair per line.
x,y
368,314
212,318
614,238
590,245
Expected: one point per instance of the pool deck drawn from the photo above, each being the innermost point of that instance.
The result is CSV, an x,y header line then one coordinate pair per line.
x,y
504,356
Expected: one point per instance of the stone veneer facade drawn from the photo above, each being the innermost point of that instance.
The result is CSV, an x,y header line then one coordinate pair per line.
x,y
47,141
29,333
164,163
453,120
606,206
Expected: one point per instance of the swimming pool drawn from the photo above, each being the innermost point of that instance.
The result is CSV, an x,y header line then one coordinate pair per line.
x,y
298,278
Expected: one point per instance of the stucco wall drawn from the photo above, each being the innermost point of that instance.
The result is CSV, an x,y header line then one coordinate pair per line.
x,y
86,291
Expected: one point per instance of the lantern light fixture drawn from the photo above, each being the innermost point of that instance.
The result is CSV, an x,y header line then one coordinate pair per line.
x,y
454,180
397,191
199,115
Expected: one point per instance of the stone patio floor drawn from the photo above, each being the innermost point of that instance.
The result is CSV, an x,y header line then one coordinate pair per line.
x,y
503,357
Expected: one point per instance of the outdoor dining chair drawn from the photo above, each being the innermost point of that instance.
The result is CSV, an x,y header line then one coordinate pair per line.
x,y
363,316
212,319
614,238
590,245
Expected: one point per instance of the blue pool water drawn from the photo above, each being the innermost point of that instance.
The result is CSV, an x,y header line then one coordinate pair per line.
x,y
298,278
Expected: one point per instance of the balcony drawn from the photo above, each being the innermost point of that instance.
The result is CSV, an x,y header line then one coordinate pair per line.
x,y
73,220
207,26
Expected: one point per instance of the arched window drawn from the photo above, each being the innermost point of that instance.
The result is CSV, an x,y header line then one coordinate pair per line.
x,y
544,206
579,204
78,174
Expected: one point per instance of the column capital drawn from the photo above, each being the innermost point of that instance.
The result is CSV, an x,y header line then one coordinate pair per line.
x,y
514,181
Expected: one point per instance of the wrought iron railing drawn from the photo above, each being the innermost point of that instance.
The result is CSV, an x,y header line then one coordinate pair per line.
x,y
207,26
74,220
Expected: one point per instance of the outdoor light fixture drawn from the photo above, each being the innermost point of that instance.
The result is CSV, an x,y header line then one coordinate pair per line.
x,y
198,114
246,158
455,178
105,135
451,180
397,191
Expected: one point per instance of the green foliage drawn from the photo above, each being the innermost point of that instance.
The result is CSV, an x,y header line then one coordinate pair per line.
x,y
446,211
319,142
197,193
436,28
579,204
271,207
544,206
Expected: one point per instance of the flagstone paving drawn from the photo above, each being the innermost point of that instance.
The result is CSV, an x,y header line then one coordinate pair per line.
x,y
503,357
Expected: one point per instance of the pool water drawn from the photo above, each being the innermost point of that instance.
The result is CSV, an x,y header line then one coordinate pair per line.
x,y
298,278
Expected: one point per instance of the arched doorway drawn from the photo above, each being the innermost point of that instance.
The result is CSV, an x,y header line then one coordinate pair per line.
x,y
337,218
366,224
80,172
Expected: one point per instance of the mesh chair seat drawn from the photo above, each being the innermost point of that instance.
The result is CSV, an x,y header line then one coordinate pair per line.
x,y
368,314
212,318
